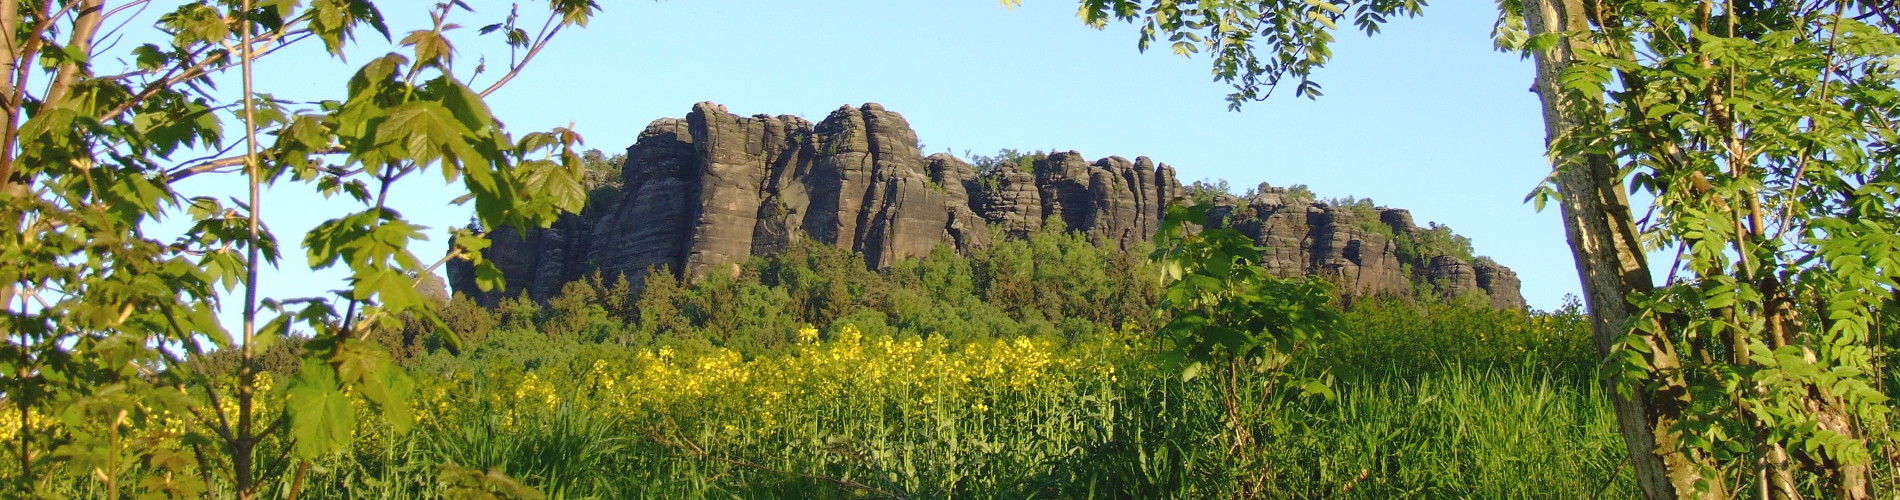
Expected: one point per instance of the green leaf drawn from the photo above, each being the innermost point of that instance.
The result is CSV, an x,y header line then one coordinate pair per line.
x,y
1327,6
1322,19
488,277
396,289
149,57
320,414
1192,370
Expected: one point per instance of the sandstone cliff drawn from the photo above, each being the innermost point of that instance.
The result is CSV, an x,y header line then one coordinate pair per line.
x,y
697,195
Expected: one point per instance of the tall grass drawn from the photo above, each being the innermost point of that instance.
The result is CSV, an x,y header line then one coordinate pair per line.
x,y
1455,433
1034,419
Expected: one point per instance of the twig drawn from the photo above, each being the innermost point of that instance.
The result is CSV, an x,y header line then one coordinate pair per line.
x,y
209,166
546,36
1801,169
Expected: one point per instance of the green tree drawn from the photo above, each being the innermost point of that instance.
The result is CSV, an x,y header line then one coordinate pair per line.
x,y
1764,131
104,320
1230,317
660,309
1758,127
462,318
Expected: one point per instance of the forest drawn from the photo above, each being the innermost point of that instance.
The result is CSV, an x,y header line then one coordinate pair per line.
x,y
1725,173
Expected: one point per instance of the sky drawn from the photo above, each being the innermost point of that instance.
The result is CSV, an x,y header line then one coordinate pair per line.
x,y
1424,116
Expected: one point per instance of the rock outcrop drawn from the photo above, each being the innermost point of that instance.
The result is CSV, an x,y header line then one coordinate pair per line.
x,y
699,195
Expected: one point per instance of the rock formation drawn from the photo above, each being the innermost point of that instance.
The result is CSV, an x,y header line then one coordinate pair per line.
x,y
701,194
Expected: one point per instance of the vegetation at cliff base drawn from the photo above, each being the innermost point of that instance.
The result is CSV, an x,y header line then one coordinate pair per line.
x,y
1026,369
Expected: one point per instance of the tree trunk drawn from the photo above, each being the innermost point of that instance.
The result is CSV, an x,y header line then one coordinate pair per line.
x,y
1611,265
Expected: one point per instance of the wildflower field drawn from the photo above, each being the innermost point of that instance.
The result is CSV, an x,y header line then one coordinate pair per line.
x,y
852,415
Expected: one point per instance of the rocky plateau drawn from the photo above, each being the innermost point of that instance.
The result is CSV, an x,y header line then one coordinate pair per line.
x,y
700,194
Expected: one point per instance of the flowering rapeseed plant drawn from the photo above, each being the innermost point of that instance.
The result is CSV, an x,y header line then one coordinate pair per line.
x,y
815,379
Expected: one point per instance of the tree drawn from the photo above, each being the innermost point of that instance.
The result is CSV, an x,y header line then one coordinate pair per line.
x,y
104,320
1763,129
1228,316
1610,262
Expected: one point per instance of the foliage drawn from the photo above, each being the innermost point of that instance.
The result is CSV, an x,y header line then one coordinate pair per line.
x,y
1022,161
1206,191
1040,400
1763,131
990,168
1222,305
1417,245
1050,282
1433,240
1364,214
601,175
844,413
1297,35
1297,195
112,330
1227,314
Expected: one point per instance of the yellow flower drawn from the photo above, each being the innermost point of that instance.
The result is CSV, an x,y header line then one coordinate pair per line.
x,y
808,334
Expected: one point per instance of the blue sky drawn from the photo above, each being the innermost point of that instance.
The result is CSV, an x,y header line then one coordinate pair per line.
x,y
1424,116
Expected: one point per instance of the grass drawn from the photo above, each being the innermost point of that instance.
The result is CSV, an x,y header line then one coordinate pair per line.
x,y
1458,433
909,418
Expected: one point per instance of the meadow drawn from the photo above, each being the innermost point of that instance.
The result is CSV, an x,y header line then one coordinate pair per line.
x,y
1460,402
1016,372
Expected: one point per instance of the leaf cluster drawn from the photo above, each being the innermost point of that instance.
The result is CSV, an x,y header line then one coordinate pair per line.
x,y
1255,45
1221,305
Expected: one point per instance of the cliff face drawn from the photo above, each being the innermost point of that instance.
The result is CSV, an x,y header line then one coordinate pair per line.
x,y
700,194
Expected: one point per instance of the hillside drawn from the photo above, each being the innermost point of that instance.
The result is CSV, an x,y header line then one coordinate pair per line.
x,y
702,193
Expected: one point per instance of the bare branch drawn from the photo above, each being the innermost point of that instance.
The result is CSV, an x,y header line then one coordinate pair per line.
x,y
547,34
221,164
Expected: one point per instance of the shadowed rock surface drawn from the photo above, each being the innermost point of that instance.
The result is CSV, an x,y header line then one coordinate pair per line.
x,y
699,195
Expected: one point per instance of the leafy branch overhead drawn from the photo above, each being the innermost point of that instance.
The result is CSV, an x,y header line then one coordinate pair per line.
x,y
89,162
1256,45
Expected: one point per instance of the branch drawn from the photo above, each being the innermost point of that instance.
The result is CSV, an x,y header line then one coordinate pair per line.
x,y
1801,163
9,23
91,13
220,164
201,68
453,254
210,166
547,34
391,172
17,65
190,343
